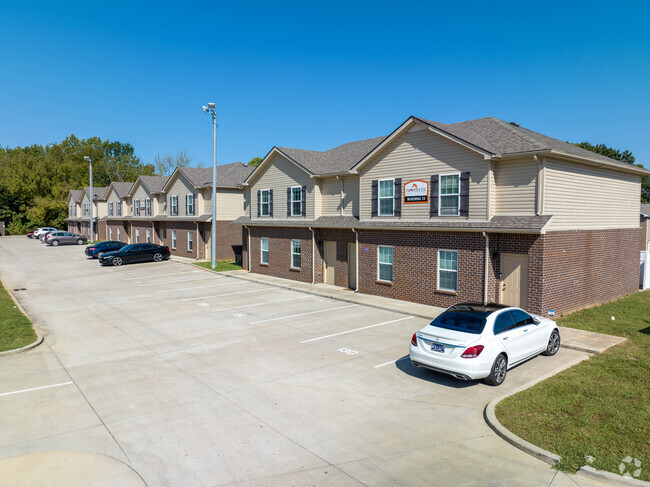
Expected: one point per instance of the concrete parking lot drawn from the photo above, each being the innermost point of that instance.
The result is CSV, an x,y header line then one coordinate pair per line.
x,y
195,378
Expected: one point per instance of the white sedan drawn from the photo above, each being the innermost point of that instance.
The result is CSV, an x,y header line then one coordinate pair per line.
x,y
474,341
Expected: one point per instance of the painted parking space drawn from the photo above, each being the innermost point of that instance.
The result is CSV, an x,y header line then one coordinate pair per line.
x,y
159,378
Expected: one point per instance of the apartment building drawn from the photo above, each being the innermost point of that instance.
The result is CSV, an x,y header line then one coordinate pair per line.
x,y
435,213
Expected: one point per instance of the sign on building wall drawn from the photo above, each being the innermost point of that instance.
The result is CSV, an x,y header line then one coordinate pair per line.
x,y
416,191
143,205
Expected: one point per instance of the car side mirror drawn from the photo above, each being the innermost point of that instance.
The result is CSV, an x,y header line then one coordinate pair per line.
x,y
537,321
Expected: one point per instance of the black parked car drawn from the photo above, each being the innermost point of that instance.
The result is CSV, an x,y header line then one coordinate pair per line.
x,y
135,253
97,250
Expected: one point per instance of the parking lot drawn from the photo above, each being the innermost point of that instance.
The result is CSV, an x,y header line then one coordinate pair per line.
x,y
196,378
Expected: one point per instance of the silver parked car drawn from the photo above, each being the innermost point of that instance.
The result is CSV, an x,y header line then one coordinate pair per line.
x,y
63,238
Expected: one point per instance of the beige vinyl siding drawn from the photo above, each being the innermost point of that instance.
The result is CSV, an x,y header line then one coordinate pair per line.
x,y
351,196
278,175
140,194
230,204
102,209
515,187
419,155
493,192
181,187
247,202
582,197
114,198
331,196
206,198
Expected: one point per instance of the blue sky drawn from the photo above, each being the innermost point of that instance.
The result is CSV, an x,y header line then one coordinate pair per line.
x,y
314,75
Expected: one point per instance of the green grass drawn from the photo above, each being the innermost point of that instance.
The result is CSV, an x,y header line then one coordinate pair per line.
x,y
222,265
600,407
15,328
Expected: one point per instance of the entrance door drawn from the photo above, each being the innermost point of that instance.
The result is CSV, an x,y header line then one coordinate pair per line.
x,y
329,262
352,266
207,235
514,280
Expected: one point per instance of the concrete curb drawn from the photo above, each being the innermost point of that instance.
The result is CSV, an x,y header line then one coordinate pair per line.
x,y
544,455
39,337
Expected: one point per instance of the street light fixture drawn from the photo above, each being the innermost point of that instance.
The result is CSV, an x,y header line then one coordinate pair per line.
x,y
210,109
90,162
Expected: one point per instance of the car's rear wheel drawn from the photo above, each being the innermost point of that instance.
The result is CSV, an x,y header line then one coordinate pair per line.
x,y
157,257
55,243
553,344
99,254
498,372
117,261
80,241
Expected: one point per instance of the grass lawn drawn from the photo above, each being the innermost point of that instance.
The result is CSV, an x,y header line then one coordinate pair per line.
x,y
222,265
15,328
600,407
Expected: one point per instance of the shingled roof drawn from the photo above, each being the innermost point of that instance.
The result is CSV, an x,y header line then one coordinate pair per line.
x,y
154,184
333,161
76,195
98,192
502,139
122,189
228,175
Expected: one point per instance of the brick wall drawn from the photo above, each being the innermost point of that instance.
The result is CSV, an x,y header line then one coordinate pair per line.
x,y
114,225
342,239
181,229
142,226
280,252
586,268
101,230
415,265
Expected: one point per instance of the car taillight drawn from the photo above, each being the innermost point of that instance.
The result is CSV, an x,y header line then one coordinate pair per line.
x,y
167,249
473,352
414,340
91,249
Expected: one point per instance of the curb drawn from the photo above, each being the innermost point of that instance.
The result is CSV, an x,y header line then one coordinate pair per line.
x,y
544,455
39,337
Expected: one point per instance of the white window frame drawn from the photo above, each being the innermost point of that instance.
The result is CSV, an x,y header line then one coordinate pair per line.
x,y
190,204
392,263
440,195
447,270
137,235
136,207
294,254
299,201
148,235
173,239
173,203
190,241
110,209
392,197
119,236
119,208
264,252
147,210
268,203
110,233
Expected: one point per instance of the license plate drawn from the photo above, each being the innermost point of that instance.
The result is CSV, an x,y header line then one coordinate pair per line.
x,y
438,347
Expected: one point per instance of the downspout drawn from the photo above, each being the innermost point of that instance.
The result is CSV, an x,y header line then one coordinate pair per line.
x,y
248,248
198,234
485,272
356,235
313,255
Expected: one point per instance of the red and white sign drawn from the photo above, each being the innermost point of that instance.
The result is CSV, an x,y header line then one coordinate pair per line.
x,y
416,191
143,205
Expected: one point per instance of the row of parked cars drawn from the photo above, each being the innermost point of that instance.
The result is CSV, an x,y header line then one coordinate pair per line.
x,y
109,252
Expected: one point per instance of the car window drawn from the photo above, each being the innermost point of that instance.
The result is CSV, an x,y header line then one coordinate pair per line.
x,y
460,321
503,322
521,318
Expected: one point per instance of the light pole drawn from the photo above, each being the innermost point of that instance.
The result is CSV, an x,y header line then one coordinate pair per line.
x,y
210,109
90,162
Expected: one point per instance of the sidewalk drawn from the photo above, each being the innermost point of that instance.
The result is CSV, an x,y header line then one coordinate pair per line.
x,y
585,341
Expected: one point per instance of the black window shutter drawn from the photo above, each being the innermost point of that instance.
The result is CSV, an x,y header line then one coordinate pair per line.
x,y
397,209
304,200
194,199
187,206
288,201
271,203
464,194
259,203
375,187
434,195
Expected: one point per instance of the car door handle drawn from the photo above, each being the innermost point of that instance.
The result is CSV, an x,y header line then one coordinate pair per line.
x,y
505,338
525,330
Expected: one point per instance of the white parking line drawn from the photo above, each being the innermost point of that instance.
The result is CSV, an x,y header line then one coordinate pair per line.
x,y
259,304
196,287
219,295
356,329
174,281
159,275
303,314
35,389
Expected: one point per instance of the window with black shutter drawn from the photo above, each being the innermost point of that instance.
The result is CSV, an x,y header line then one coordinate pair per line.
x,y
259,203
289,201
398,197
271,203
304,200
464,194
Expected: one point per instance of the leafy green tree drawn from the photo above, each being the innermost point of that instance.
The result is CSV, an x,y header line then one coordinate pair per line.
x,y
255,161
625,156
